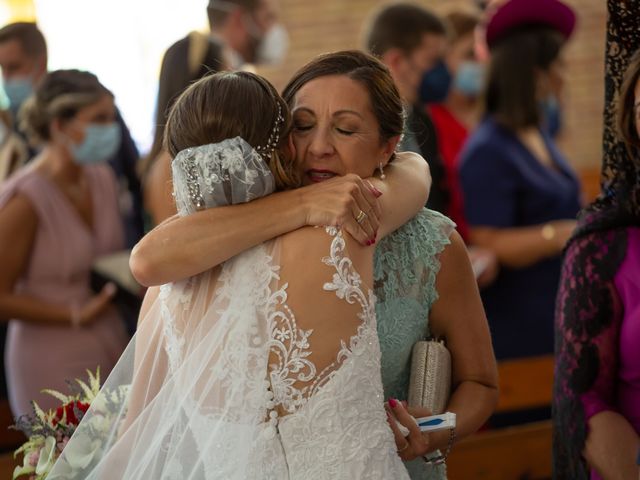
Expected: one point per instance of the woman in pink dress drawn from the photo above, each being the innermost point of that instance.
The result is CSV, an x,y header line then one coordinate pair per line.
x,y
56,216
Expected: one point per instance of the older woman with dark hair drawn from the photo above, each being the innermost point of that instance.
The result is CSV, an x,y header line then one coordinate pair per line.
x,y
597,378
521,196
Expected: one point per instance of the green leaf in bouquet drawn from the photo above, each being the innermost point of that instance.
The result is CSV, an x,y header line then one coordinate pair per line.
x,y
60,396
34,443
88,393
42,416
23,470
94,380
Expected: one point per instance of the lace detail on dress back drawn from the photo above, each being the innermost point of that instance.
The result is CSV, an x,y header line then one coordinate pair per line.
x,y
293,376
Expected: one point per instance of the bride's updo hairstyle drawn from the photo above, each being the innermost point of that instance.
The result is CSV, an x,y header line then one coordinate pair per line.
x,y
234,104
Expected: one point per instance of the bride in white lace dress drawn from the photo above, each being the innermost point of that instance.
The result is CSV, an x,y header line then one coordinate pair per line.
x,y
267,367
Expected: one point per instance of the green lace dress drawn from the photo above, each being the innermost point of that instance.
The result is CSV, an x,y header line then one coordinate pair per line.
x,y
406,266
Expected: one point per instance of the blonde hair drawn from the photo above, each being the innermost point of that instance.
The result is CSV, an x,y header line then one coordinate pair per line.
x,y
60,95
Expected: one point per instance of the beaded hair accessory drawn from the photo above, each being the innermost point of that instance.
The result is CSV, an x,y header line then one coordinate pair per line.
x,y
218,174
272,143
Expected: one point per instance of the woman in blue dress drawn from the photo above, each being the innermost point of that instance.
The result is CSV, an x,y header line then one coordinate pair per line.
x,y
521,196
414,296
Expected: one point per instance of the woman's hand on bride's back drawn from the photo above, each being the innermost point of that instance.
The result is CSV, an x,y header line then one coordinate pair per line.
x,y
339,202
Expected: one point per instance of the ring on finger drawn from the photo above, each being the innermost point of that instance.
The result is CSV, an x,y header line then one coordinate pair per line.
x,y
361,217
406,445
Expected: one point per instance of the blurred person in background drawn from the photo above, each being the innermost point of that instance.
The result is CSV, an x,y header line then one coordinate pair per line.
x,y
596,402
459,114
23,59
521,196
411,41
57,215
250,29
184,62
14,152
243,32
552,106
453,121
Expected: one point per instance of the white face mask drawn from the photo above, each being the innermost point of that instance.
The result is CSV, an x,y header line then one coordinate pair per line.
x,y
273,46
235,59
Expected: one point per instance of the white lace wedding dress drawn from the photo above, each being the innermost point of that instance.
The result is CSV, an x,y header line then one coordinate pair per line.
x,y
265,368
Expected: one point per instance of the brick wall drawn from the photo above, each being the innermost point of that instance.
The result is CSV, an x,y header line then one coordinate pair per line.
x,y
327,25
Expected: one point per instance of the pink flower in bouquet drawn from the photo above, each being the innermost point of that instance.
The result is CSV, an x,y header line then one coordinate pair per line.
x,y
63,443
33,457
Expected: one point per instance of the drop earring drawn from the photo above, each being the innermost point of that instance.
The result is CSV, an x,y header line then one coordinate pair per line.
x,y
382,175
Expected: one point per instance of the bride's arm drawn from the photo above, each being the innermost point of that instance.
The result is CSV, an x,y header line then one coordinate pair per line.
x,y
181,247
405,191
184,246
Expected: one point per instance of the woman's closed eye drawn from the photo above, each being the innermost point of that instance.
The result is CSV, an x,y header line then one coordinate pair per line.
x,y
302,127
343,131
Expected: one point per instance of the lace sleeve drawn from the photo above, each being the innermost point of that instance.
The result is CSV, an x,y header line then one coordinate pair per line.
x,y
588,316
407,261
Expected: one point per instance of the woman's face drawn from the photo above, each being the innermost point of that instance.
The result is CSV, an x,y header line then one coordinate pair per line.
x,y
335,131
462,50
102,112
551,81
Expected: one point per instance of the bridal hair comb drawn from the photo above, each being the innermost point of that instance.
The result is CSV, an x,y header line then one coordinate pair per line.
x,y
274,138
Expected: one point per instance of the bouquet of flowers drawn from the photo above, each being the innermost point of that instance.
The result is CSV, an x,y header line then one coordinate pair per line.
x,y
48,432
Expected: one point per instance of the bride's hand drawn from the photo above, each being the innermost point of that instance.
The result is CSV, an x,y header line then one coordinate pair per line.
x,y
339,201
416,443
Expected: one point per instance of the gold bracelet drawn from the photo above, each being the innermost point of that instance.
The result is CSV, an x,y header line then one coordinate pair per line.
x,y
548,232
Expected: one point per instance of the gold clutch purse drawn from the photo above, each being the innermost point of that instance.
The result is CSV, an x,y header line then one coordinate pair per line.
x,y
430,381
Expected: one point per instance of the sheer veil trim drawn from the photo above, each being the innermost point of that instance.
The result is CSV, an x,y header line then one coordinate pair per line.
x,y
218,174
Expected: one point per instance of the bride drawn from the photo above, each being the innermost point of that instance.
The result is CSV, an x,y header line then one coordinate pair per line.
x,y
265,367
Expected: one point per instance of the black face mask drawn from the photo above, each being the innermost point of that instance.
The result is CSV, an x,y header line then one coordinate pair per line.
x,y
435,84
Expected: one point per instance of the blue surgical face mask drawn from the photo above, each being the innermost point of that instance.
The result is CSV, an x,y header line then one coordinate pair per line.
x,y
18,90
469,78
551,115
100,143
435,84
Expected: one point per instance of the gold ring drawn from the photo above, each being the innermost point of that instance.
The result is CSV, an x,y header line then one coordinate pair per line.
x,y
361,216
404,448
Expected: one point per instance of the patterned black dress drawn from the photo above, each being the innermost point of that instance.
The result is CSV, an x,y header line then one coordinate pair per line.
x,y
588,310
